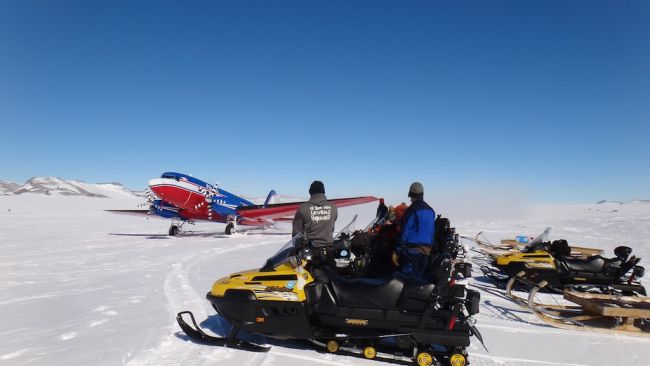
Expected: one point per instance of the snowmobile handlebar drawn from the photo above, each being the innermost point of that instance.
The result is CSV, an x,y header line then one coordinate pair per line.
x,y
464,269
638,271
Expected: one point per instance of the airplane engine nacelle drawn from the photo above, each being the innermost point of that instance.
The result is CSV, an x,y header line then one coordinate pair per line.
x,y
225,211
163,209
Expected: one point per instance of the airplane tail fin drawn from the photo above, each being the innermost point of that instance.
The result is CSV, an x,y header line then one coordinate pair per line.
x,y
270,198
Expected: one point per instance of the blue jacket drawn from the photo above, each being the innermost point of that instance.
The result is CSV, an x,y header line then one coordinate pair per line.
x,y
418,225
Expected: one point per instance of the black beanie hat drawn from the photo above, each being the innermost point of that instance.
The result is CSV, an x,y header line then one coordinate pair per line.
x,y
317,187
416,190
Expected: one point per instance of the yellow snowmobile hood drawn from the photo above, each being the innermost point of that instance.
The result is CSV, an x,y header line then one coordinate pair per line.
x,y
284,283
533,259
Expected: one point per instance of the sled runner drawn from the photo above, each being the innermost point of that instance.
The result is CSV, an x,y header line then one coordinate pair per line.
x,y
601,313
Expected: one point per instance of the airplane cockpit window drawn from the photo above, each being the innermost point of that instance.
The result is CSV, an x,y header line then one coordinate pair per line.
x,y
171,176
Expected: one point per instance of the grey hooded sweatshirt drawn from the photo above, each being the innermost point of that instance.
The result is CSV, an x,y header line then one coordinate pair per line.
x,y
315,219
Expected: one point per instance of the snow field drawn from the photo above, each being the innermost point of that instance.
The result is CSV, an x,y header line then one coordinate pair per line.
x,y
81,286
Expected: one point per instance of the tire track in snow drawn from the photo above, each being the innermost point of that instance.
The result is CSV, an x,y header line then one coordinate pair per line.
x,y
173,350
180,294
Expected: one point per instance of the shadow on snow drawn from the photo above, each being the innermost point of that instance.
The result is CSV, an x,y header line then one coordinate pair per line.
x,y
220,326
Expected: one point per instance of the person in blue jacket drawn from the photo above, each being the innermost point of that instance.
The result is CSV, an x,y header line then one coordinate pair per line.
x,y
417,234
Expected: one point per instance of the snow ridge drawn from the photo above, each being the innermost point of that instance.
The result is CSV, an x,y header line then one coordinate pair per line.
x,y
54,186
8,187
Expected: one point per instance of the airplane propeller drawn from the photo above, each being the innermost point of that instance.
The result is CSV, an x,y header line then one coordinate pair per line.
x,y
150,203
208,194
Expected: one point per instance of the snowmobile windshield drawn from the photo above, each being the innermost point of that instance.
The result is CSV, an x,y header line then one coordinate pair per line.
x,y
347,230
283,255
539,242
289,250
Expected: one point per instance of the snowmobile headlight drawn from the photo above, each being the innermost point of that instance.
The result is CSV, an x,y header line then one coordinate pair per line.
x,y
306,254
464,269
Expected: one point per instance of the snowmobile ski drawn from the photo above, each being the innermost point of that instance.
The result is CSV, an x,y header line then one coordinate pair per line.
x,y
478,336
196,334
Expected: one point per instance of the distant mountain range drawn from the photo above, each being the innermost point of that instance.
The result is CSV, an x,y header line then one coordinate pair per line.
x,y
622,203
53,186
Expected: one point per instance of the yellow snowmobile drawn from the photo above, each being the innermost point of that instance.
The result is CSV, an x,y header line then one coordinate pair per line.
x,y
599,294
557,265
308,293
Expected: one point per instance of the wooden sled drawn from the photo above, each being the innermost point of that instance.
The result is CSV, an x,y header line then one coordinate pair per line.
x,y
600,313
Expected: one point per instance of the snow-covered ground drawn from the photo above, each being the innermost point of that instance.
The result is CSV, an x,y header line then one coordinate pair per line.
x,y
80,286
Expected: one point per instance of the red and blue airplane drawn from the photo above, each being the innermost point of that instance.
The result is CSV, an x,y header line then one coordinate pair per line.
x,y
183,198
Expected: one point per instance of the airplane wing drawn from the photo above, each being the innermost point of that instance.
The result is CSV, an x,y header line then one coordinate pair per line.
x,y
130,212
280,211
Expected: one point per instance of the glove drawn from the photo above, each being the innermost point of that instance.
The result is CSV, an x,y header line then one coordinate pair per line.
x,y
394,259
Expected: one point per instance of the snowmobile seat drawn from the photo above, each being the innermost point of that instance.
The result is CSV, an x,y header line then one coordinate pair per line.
x,y
594,264
415,295
368,293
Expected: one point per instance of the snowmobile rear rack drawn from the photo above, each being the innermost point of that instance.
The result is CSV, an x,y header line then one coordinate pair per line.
x,y
509,246
513,245
196,334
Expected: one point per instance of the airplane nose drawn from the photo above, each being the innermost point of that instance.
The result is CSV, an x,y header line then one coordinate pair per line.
x,y
155,186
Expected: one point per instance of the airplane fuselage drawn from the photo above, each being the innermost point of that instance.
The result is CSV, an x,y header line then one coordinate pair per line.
x,y
193,199
183,198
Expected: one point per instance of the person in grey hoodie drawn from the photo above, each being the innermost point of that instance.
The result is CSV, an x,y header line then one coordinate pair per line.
x,y
316,217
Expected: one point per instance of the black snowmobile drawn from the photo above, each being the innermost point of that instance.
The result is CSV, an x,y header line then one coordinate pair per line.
x,y
316,294
619,273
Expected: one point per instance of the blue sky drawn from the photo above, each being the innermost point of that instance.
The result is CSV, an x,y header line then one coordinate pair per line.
x,y
550,99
